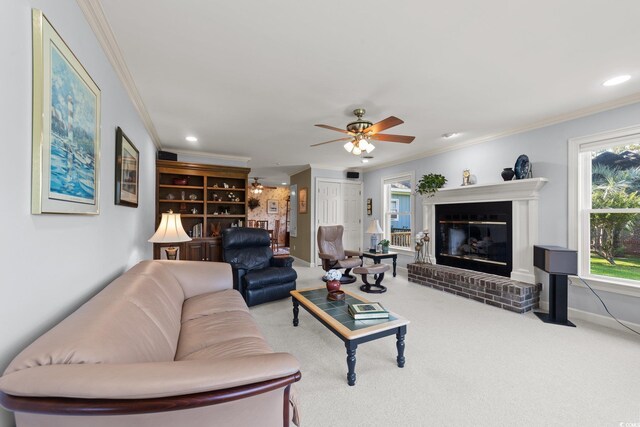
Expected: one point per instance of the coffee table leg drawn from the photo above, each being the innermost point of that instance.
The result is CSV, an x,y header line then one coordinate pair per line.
x,y
395,259
351,362
295,311
400,345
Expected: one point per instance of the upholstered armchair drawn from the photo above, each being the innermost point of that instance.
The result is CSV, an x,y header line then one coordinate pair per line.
x,y
333,254
257,275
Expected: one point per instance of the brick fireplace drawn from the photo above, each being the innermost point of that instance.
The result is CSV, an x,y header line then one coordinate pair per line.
x,y
458,238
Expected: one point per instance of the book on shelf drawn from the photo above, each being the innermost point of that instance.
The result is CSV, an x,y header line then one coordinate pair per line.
x,y
370,310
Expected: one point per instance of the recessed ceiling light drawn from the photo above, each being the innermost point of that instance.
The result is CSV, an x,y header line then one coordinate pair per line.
x,y
284,183
191,138
365,159
616,80
450,135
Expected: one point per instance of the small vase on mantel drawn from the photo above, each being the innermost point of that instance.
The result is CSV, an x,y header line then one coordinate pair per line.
x,y
508,174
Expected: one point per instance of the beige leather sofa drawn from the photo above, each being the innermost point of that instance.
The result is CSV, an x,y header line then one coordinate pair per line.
x,y
168,343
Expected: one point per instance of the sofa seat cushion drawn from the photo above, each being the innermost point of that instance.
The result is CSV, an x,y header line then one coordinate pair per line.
x,y
214,329
212,303
269,276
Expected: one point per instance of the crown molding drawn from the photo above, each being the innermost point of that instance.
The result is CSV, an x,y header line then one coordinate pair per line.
x,y
243,159
627,100
297,171
94,14
328,167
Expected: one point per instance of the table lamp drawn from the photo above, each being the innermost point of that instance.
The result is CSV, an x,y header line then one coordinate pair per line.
x,y
170,231
374,229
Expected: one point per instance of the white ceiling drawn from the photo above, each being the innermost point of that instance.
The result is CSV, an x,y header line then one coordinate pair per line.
x,y
251,78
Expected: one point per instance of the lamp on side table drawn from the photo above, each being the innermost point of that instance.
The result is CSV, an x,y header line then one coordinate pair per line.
x,y
374,229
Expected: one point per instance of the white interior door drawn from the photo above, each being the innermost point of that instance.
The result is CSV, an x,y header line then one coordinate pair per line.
x,y
328,203
339,203
352,216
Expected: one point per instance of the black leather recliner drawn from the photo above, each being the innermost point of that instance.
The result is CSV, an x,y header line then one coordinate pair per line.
x,y
257,275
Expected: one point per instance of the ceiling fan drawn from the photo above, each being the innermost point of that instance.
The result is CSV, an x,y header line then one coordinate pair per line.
x,y
257,187
362,131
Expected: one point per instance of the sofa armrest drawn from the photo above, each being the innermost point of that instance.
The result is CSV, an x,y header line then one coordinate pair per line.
x,y
282,262
198,277
146,380
352,253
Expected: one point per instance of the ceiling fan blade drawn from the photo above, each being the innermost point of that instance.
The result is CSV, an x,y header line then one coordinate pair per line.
x,y
333,140
387,123
405,139
334,128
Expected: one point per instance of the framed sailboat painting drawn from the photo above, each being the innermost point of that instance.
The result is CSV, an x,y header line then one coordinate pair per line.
x,y
66,127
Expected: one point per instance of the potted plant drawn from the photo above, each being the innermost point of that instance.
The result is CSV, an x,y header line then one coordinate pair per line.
x,y
430,184
385,246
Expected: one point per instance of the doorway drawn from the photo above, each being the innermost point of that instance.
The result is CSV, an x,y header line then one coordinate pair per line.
x,y
339,202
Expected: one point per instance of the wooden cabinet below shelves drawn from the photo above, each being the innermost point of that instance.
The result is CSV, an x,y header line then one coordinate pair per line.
x,y
209,249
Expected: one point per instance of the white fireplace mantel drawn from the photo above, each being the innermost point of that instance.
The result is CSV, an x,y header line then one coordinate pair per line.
x,y
524,195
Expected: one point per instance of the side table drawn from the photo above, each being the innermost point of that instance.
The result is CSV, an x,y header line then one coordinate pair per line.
x,y
378,257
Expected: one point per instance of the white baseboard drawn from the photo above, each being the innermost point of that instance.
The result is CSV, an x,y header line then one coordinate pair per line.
x,y
598,319
302,262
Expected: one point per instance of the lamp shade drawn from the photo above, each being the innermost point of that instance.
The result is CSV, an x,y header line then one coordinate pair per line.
x,y
170,230
374,227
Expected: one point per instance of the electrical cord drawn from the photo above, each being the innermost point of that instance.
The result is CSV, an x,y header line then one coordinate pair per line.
x,y
605,307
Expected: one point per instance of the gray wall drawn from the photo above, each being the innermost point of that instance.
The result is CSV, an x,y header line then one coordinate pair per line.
x,y
547,150
53,263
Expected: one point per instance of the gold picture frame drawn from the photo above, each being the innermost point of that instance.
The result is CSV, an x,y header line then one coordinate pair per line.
x,y
302,201
66,127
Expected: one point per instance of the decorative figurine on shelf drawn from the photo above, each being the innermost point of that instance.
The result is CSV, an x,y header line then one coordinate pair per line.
x,y
193,197
225,185
183,208
231,196
216,229
170,196
466,177
194,211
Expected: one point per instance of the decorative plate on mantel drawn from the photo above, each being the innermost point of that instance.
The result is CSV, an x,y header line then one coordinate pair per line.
x,y
522,167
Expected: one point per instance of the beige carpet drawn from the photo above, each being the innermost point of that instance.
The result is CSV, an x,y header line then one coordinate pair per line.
x,y
467,364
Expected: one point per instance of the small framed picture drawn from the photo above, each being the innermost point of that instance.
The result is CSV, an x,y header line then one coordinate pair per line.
x,y
302,201
272,206
127,171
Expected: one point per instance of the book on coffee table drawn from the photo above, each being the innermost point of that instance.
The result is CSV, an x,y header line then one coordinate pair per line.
x,y
370,310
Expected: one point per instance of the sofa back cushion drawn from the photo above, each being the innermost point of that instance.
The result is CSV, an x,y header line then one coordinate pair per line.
x,y
136,318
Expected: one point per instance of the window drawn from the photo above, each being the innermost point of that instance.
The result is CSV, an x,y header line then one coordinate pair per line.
x,y
606,199
397,199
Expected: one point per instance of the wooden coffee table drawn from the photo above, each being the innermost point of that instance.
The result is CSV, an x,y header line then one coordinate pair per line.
x,y
335,316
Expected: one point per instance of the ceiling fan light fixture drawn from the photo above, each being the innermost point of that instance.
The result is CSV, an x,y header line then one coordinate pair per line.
x,y
370,148
363,144
349,146
356,150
